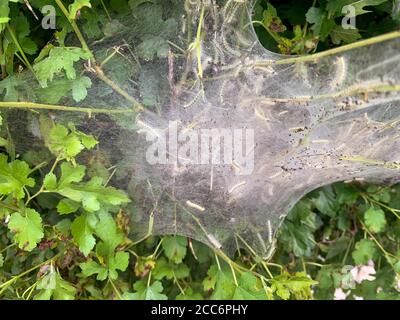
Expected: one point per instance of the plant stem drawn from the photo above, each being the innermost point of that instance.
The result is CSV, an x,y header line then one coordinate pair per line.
x,y
97,69
56,161
100,74
345,48
2,66
115,289
41,106
16,42
78,32
6,284
8,206
8,247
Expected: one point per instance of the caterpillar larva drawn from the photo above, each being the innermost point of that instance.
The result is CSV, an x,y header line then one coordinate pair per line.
x,y
340,72
221,92
212,178
147,128
261,241
269,231
228,48
194,100
271,190
214,241
236,166
276,175
225,8
236,186
195,206
260,114
320,141
232,13
271,250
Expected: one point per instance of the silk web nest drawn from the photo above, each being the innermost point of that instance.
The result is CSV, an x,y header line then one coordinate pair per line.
x,y
197,64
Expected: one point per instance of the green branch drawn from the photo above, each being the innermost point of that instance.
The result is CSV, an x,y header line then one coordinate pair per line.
x,y
331,52
41,106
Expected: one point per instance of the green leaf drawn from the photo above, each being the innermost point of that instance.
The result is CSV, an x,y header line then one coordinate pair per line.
x,y
338,247
50,181
10,86
153,46
64,144
120,6
67,144
170,270
144,292
91,267
175,248
106,230
189,294
133,4
59,59
22,30
365,250
298,284
76,6
221,282
4,12
87,140
70,174
118,262
92,194
339,35
249,288
321,26
334,7
27,228
79,88
1,260
346,193
67,206
52,285
14,177
375,219
82,232
326,202
297,233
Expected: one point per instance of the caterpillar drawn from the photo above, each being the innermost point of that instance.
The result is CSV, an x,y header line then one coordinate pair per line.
x,y
271,250
340,72
214,241
269,231
194,100
236,186
195,206
221,92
